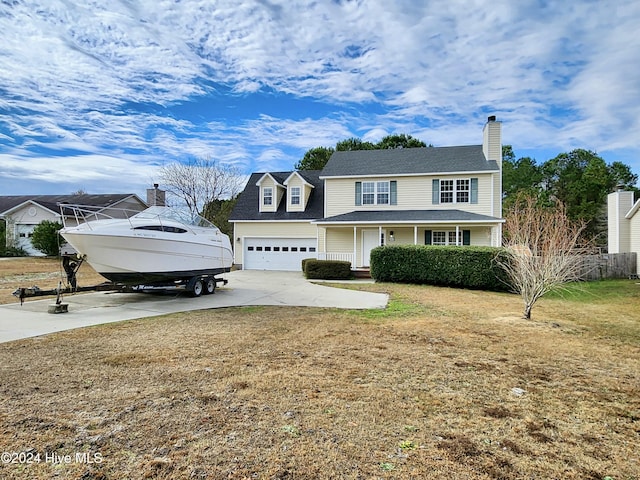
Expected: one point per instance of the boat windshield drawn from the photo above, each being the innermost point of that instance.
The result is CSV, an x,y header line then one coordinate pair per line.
x,y
183,216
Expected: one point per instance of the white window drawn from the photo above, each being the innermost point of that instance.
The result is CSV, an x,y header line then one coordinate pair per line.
x,y
455,191
462,191
382,193
452,238
368,193
267,196
295,195
446,238
446,192
375,193
439,238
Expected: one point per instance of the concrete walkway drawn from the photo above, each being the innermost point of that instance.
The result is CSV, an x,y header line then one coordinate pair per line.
x,y
245,287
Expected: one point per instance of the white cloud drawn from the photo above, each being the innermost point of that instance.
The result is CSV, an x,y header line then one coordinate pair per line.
x,y
104,79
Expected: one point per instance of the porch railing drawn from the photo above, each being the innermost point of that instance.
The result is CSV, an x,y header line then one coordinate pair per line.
x,y
343,257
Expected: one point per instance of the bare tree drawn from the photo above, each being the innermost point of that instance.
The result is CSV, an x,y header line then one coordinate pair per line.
x,y
200,181
543,249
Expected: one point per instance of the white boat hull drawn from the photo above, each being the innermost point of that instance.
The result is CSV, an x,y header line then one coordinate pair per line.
x,y
151,247
142,259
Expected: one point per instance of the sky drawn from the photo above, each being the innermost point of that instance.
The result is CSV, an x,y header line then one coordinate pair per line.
x,y
98,96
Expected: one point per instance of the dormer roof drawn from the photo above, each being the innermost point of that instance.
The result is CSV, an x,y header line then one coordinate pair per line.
x,y
299,175
246,208
264,176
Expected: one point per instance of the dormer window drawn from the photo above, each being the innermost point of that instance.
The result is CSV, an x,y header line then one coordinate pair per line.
x,y
267,196
295,195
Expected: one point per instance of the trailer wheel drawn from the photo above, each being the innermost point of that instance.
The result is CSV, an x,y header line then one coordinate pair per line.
x,y
210,286
197,289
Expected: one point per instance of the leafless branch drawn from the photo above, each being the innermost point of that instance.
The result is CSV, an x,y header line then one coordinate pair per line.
x,y
542,243
200,181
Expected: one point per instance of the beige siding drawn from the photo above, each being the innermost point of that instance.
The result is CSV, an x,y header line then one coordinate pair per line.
x,y
634,233
269,229
414,193
618,205
492,141
295,181
278,193
340,240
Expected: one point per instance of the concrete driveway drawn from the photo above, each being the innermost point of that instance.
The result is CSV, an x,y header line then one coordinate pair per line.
x,y
245,287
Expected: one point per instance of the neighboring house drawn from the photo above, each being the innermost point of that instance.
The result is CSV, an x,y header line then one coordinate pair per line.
x,y
23,213
363,199
624,224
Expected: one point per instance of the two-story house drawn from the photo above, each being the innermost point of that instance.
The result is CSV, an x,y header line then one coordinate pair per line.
x,y
363,199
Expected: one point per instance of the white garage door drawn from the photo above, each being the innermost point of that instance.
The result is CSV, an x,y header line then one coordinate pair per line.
x,y
277,253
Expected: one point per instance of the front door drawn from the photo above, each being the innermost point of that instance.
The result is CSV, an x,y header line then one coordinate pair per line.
x,y
370,240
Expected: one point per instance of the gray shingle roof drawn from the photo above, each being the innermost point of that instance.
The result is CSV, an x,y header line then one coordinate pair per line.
x,y
412,216
407,161
247,207
7,202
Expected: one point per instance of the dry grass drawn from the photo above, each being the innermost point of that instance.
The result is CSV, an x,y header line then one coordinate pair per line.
x,y
422,390
46,273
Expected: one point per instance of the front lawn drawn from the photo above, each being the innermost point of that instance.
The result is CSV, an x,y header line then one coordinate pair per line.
x,y
446,384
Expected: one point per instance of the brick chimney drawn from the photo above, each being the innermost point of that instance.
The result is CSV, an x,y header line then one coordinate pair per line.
x,y
492,140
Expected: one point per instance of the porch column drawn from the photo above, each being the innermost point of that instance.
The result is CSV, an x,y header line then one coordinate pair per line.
x,y
415,235
457,235
355,246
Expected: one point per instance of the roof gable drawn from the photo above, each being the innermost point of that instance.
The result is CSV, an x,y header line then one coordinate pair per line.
x,y
270,176
408,161
297,174
246,208
51,202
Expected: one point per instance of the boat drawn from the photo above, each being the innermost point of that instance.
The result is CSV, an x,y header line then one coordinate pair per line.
x,y
158,245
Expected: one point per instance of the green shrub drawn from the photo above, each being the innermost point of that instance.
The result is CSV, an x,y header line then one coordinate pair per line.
x,y
304,263
46,237
327,269
463,267
14,252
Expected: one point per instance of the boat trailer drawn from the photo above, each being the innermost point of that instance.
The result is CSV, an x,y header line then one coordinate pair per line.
x,y
194,286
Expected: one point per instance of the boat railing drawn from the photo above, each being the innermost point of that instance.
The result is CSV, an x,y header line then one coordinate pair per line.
x,y
73,214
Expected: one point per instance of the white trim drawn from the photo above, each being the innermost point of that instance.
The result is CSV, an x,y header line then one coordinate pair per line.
x,y
286,182
278,184
633,210
24,204
271,221
412,222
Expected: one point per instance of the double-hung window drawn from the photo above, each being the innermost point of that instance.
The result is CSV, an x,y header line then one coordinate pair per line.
x,y
375,193
382,193
368,193
446,191
267,196
295,195
455,191
462,191
447,237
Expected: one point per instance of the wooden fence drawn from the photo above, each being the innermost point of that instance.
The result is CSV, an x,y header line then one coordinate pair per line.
x,y
609,265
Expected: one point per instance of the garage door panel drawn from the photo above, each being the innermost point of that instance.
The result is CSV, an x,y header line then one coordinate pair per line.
x,y
277,253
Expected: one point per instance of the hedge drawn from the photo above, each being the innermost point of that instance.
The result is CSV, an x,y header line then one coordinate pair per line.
x,y
326,269
462,267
